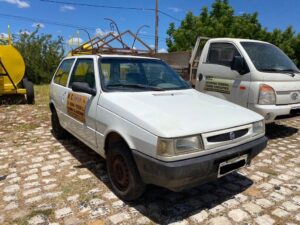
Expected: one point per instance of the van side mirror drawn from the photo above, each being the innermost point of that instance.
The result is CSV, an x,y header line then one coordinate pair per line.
x,y
238,64
83,87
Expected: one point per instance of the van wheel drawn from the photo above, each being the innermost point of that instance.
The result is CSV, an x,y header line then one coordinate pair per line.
x,y
58,131
28,85
123,174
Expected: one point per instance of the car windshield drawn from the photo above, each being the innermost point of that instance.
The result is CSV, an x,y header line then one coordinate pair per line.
x,y
269,58
138,74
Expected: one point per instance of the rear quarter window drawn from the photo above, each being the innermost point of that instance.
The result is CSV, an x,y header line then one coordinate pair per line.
x,y
62,74
221,54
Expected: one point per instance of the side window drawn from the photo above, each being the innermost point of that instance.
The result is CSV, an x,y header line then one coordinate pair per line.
x,y
83,72
221,53
62,74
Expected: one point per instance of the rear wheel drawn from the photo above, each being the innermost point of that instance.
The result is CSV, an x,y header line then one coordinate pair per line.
x,y
123,174
28,85
58,131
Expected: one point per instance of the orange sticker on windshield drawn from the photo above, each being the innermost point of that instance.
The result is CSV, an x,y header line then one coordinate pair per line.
x,y
76,105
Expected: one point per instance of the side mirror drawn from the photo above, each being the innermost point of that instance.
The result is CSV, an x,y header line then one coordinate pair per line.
x,y
83,87
238,64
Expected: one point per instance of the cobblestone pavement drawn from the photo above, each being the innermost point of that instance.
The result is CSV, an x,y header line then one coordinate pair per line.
x,y
45,181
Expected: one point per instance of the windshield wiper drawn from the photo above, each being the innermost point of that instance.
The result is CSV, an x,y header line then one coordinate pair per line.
x,y
285,71
139,86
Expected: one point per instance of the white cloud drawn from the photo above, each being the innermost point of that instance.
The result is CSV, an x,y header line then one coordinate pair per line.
x,y
38,25
19,3
25,32
3,35
101,33
162,50
65,8
174,9
75,41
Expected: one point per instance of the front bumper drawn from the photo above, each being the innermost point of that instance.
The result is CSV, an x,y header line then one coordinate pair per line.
x,y
187,173
273,112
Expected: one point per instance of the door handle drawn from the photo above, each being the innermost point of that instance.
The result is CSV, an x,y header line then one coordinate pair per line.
x,y
200,76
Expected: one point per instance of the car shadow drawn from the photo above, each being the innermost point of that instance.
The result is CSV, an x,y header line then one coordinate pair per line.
x,y
275,130
159,204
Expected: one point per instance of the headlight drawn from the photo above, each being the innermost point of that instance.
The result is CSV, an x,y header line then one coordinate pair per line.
x,y
259,127
171,147
266,95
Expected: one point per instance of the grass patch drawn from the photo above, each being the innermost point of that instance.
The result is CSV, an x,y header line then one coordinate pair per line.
x,y
23,220
41,94
26,127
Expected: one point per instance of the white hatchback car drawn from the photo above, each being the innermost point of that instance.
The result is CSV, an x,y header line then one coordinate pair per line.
x,y
149,124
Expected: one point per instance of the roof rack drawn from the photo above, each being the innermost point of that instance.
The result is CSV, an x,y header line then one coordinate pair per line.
x,y
104,45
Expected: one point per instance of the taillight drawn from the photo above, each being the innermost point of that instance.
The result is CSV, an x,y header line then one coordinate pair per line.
x,y
266,95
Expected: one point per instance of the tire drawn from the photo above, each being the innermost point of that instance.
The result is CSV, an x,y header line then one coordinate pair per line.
x,y
28,85
58,131
123,174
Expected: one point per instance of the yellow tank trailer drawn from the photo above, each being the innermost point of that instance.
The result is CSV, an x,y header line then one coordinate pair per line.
x,y
12,73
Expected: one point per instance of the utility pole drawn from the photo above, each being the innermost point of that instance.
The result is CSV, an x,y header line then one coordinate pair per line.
x,y
156,26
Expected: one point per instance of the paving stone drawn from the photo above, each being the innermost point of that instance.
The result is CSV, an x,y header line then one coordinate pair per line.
x,y
118,204
199,217
96,202
33,199
289,206
61,213
99,212
31,185
120,217
9,198
220,220
37,159
31,192
280,212
265,203
73,198
238,215
38,220
49,187
72,220
109,195
264,220
252,208
297,217
231,203
182,222
296,199
11,205
84,177
1,219
12,188
143,221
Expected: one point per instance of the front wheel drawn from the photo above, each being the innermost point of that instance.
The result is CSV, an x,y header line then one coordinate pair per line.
x,y
123,174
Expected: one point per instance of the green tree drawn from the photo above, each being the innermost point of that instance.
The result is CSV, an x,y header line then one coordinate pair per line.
x,y
221,21
41,54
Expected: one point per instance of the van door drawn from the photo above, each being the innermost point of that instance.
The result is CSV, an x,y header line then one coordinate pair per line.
x,y
59,89
218,79
81,107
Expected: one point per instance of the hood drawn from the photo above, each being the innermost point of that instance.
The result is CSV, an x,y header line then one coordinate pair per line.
x,y
177,113
263,76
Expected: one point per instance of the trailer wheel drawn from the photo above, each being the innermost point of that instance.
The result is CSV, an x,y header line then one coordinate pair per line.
x,y
28,85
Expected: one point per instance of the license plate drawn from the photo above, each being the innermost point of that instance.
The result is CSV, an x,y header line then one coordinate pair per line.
x,y
232,165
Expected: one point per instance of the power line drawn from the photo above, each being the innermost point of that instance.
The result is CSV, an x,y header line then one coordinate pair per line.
x,y
110,7
47,21
55,23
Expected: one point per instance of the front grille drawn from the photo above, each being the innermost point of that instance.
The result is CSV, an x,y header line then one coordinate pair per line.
x,y
228,136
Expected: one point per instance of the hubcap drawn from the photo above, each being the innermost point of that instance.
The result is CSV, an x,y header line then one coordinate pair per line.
x,y
120,172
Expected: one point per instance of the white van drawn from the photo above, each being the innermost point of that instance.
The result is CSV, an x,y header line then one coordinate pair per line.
x,y
254,74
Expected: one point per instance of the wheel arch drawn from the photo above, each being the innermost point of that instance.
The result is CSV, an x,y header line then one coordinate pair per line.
x,y
112,137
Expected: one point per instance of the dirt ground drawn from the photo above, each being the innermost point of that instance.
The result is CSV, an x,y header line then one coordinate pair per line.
x,y
46,181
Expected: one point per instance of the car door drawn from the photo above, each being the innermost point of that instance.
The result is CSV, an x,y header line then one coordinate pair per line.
x,y
81,107
218,79
59,89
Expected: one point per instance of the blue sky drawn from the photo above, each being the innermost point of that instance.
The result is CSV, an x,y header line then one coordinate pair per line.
x,y
272,14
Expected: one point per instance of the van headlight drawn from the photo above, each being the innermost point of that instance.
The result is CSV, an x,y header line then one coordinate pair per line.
x,y
259,127
266,95
178,146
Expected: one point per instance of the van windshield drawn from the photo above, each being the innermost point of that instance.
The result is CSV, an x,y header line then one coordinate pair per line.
x,y
138,74
269,58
